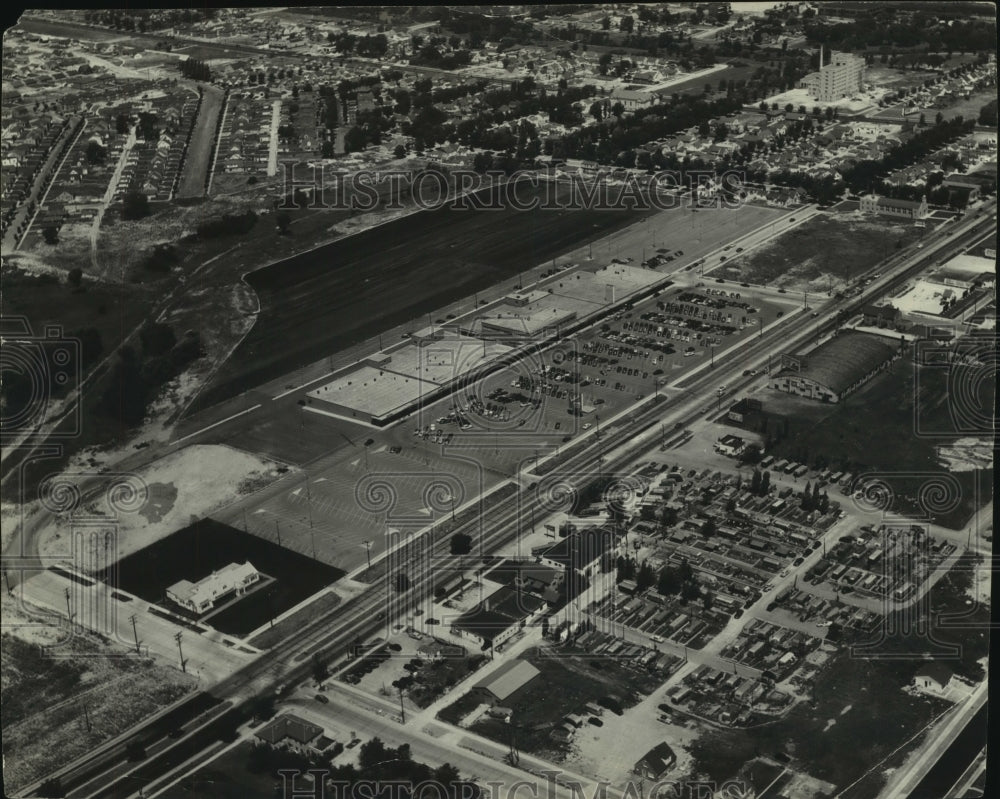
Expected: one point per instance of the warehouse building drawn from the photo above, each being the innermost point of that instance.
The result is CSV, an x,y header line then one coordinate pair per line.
x,y
505,681
836,368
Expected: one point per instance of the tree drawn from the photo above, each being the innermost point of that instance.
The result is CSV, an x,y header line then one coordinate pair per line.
x,y
95,153
709,528
75,277
461,544
283,220
135,205
319,669
669,582
51,234
399,151
755,482
645,577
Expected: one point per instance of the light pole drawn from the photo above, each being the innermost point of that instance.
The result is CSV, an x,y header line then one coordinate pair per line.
x,y
177,638
135,633
368,551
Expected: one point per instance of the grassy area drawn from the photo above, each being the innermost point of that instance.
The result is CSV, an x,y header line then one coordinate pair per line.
x,y
199,151
227,778
873,431
437,677
56,709
538,708
822,254
298,620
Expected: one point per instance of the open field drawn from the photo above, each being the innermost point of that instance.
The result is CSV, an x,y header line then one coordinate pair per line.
x,y
207,545
199,151
822,254
873,430
44,298
45,723
697,85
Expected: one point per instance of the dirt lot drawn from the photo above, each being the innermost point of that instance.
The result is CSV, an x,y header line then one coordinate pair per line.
x,y
823,254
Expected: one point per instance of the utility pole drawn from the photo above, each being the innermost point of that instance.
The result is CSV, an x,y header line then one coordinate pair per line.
x,y
69,611
368,551
86,716
402,710
177,638
135,633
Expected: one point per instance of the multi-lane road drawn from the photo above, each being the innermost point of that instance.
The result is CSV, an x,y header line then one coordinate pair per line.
x,y
197,725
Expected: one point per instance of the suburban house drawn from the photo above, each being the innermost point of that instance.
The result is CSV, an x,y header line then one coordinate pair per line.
x,y
934,677
656,762
730,445
291,731
881,315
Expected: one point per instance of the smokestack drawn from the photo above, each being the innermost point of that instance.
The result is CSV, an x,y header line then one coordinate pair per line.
x,y
821,58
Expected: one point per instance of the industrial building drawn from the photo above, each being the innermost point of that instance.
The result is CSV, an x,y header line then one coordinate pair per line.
x,y
200,597
836,368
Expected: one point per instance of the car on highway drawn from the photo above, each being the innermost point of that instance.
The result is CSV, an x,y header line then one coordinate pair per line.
x,y
325,700
656,639
799,561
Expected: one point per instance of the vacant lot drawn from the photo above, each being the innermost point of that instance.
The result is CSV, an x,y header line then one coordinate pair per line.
x,y
325,300
824,253
58,706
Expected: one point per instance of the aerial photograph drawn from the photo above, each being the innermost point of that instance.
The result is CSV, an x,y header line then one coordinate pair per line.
x,y
568,401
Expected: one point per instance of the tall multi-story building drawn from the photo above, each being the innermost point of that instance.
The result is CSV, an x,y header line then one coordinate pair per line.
x,y
843,77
